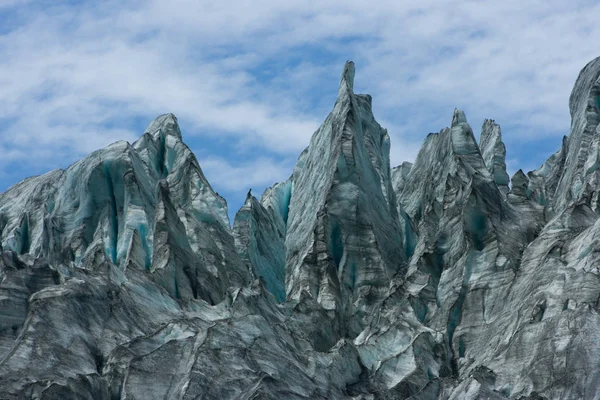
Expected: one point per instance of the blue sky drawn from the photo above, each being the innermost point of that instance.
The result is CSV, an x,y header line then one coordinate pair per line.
x,y
251,81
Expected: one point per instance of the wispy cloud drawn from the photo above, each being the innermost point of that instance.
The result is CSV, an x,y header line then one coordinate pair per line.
x,y
240,177
261,76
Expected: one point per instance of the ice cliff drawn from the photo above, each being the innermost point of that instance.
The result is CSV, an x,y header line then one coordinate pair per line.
x,y
122,278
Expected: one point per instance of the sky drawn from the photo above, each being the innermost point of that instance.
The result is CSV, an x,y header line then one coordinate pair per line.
x,y
250,81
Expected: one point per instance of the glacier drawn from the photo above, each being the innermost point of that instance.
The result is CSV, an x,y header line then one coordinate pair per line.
x,y
122,277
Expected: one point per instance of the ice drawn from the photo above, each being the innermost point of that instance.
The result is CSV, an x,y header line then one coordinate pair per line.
x,y
120,276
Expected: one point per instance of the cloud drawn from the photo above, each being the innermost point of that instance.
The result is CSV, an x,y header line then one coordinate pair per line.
x,y
258,173
261,76
12,3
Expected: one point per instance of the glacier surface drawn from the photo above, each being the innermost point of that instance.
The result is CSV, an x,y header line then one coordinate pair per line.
x,y
122,278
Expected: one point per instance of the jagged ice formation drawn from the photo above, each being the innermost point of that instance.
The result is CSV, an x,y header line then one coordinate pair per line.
x,y
121,277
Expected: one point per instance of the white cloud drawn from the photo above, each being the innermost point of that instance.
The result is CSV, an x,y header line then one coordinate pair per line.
x,y
76,77
258,173
12,3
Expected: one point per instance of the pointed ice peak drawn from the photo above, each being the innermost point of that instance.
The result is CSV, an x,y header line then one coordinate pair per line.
x,y
493,152
519,177
248,198
166,123
584,105
463,140
490,125
491,137
587,80
520,182
347,81
458,117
